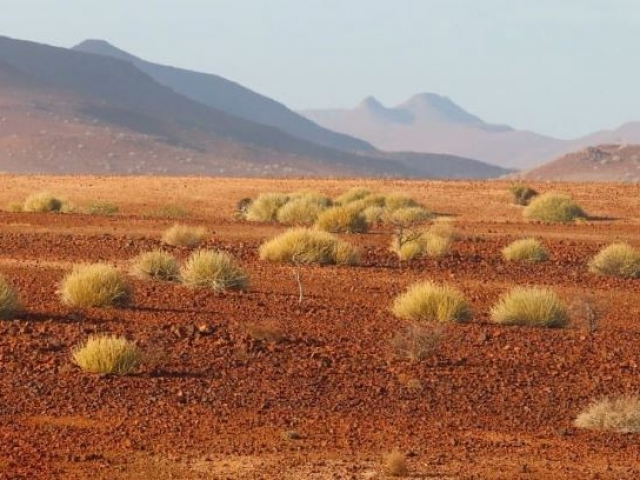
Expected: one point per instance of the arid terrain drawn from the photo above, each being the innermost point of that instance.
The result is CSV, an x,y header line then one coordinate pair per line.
x,y
329,398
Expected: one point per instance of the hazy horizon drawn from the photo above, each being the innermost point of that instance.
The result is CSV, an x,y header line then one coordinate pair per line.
x,y
562,70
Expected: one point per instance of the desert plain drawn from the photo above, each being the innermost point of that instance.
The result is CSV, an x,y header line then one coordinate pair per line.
x,y
327,396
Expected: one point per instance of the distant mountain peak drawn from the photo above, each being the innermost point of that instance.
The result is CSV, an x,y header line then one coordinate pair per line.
x,y
433,107
102,47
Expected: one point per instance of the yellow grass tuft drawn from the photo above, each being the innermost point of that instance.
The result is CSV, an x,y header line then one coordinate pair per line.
x,y
530,306
215,270
94,285
303,245
617,259
553,207
180,235
156,265
342,219
394,464
352,195
525,250
621,414
42,202
431,302
9,302
396,201
438,238
303,209
265,207
108,355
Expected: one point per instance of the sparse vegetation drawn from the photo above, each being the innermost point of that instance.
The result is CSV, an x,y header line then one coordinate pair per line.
x,y
617,259
9,302
94,285
352,195
303,245
42,202
553,207
431,302
265,207
342,219
102,208
620,414
215,270
525,250
303,209
107,354
395,464
530,306
416,342
396,201
174,212
180,235
438,238
522,194
156,265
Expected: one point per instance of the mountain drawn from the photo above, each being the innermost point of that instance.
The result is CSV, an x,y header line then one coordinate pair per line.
x,y
232,98
430,122
65,111
601,163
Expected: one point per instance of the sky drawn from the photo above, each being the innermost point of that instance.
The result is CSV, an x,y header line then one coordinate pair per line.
x,y
557,67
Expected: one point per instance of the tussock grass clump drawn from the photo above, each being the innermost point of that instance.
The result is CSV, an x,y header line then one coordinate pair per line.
x,y
102,208
156,265
431,302
525,250
373,215
438,238
522,194
9,302
342,219
15,207
215,270
416,342
617,259
180,235
108,354
42,202
396,201
265,207
394,464
352,195
303,245
530,306
553,207
621,414
303,209
408,249
94,285
408,216
169,211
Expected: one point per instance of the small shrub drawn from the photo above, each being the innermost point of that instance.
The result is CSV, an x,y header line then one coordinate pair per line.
x,y
416,342
94,285
9,301
553,207
156,265
265,207
242,207
438,239
215,270
395,464
617,259
530,306
102,208
620,414
396,201
342,219
409,216
408,249
352,195
525,250
184,235
108,355
303,245
303,210
522,194
431,302
42,202
373,215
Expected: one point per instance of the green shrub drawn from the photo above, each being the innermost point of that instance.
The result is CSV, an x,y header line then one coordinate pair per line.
x,y
102,208
302,210
42,202
215,270
9,301
553,207
302,245
530,306
525,250
342,219
431,302
522,194
617,259
106,354
621,414
94,285
184,235
156,265
265,207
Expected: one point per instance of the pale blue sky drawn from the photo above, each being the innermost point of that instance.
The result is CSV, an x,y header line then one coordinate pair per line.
x,y
559,67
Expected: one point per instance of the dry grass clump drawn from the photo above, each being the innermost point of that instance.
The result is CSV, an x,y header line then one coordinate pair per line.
x,y
303,245
438,238
108,354
94,285
303,209
265,207
525,250
617,259
416,342
15,207
102,208
407,249
522,194
156,265
394,464
342,219
396,201
42,202
530,306
408,216
215,270
169,211
180,235
621,414
352,195
9,302
431,302
553,207
373,214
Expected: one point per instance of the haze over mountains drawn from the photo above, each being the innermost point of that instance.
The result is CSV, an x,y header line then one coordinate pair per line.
x,y
433,123
65,110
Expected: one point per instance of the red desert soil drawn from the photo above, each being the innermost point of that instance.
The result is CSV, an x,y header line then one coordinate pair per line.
x,y
329,399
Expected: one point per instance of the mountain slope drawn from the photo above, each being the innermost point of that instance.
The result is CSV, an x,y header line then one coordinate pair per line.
x,y
230,97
